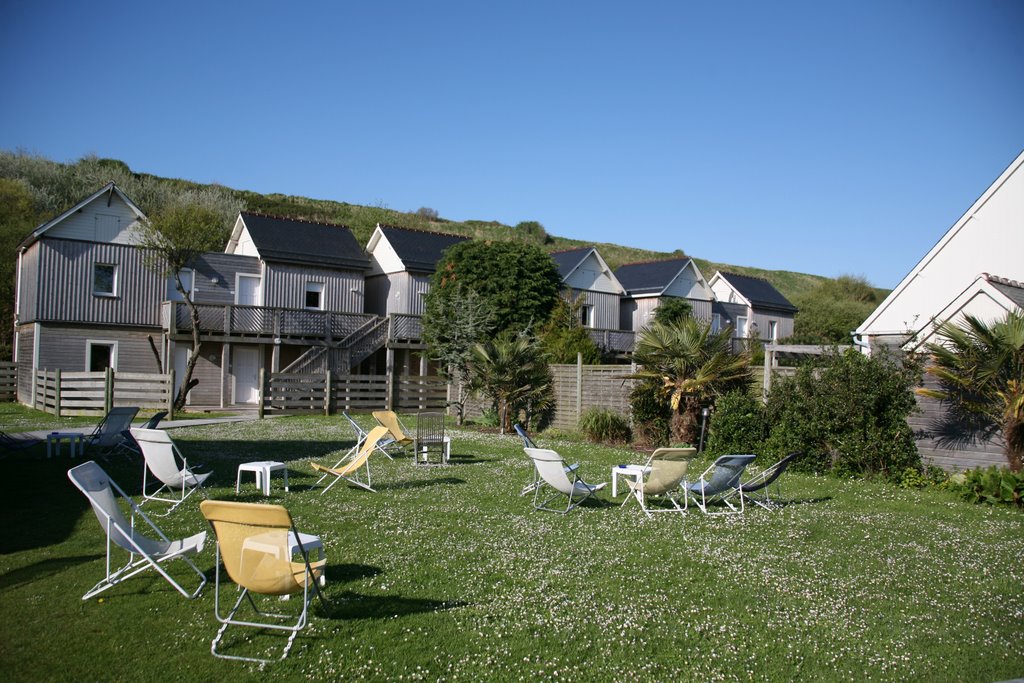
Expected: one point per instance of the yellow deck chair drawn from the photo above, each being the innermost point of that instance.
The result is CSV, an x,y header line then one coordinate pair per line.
x,y
255,543
397,434
347,468
663,476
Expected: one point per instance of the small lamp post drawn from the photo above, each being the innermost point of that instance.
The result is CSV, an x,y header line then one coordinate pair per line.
x,y
703,423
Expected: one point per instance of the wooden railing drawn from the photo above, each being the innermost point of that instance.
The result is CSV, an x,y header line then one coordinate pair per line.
x,y
229,319
616,341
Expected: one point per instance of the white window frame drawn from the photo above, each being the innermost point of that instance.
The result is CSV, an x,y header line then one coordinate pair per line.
x,y
114,280
172,291
587,316
90,343
773,330
238,287
742,326
311,287
716,322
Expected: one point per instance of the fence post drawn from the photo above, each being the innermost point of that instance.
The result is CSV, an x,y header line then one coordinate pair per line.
x,y
56,395
263,384
579,386
170,395
389,401
327,392
108,389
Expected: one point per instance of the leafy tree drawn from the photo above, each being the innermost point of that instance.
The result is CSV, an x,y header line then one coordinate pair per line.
x,y
427,212
466,321
511,371
563,337
848,412
518,283
693,364
980,368
672,309
17,218
176,236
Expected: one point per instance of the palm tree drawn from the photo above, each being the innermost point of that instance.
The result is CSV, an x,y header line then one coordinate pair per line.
x,y
980,368
693,365
512,371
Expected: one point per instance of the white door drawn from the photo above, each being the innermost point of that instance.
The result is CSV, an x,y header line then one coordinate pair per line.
x,y
180,357
246,370
247,293
741,326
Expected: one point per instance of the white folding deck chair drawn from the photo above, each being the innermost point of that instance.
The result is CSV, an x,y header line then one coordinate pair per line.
x,y
552,471
348,468
255,544
719,483
143,552
535,480
159,451
382,445
661,475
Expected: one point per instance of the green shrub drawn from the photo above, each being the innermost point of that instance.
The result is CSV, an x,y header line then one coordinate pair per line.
x,y
915,478
991,485
651,414
737,424
848,412
603,426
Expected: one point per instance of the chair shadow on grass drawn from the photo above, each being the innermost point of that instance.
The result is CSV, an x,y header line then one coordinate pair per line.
x,y
417,483
349,605
42,570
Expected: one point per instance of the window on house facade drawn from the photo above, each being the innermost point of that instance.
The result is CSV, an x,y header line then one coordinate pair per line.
x,y
587,316
315,295
187,276
773,330
100,355
104,279
716,322
741,326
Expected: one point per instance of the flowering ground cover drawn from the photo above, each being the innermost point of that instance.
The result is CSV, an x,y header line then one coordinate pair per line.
x,y
448,574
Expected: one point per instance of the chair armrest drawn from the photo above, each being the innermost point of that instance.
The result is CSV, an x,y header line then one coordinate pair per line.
x,y
572,468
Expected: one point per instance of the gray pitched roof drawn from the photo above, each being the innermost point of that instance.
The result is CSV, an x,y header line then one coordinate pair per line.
x,y
759,292
419,250
649,277
291,240
569,259
1013,290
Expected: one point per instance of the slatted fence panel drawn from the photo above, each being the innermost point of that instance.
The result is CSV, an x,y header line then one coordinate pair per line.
x,y
295,393
8,381
359,392
422,393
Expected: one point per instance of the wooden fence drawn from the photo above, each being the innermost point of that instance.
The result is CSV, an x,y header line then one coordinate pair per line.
x,y
8,381
95,393
580,387
328,393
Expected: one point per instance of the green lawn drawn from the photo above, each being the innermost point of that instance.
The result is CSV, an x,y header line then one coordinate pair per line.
x,y
448,574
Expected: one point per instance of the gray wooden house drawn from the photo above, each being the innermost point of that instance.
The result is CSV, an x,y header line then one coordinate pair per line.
x,y
402,262
649,283
85,301
752,306
588,279
285,295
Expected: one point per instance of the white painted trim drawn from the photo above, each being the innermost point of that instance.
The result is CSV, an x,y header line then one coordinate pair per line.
x,y
238,287
113,286
109,187
89,343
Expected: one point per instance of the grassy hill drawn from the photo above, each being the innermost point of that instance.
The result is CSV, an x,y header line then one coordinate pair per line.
x,y
34,189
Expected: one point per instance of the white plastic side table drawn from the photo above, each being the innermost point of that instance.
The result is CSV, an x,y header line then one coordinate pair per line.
x,y
262,470
73,439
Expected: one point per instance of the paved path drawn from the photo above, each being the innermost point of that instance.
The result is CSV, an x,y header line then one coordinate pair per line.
x,y
166,424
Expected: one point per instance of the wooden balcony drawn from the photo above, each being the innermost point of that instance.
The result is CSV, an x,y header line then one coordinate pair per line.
x,y
614,341
260,323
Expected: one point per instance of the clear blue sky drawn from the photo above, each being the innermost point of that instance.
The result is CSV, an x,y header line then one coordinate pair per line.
x,y
818,137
